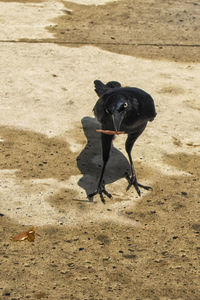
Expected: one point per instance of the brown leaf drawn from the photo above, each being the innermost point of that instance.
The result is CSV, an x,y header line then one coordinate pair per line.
x,y
25,235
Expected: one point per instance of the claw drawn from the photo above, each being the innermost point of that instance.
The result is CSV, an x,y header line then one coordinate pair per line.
x,y
146,187
133,181
100,190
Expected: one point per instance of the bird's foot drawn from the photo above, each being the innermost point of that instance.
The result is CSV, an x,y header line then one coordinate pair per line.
x,y
100,190
133,181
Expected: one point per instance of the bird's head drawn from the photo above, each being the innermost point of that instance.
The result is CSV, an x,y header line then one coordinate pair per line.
x,y
117,106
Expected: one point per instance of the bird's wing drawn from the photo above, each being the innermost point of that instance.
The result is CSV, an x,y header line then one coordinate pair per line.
x,y
141,102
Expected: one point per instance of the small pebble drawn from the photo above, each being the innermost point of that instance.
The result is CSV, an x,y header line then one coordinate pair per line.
x,y
184,193
6,292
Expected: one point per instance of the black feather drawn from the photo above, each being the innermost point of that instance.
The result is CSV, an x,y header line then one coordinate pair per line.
x,y
101,88
125,109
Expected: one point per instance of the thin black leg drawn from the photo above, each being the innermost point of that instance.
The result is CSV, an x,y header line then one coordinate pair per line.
x,y
106,145
132,180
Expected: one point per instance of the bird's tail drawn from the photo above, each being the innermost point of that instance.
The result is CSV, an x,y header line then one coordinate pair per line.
x,y
101,88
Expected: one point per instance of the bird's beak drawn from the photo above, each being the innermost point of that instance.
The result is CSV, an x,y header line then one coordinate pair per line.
x,y
117,119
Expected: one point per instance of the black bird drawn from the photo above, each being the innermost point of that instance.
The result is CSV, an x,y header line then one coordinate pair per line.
x,y
126,109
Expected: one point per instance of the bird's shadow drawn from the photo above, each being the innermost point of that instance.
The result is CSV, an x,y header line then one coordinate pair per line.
x,y
90,161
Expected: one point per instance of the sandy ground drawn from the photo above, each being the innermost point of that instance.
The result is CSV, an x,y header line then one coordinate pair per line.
x,y
50,154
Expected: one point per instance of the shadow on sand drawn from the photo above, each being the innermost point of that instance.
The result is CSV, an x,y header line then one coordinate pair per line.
x,y
90,161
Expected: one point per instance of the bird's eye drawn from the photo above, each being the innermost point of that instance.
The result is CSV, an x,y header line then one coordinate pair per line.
x,y
125,104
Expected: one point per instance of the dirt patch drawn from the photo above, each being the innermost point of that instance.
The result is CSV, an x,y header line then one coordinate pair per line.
x,y
149,29
157,258
34,155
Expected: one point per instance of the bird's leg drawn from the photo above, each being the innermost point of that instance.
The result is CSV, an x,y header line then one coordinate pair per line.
x,y
106,145
101,188
133,179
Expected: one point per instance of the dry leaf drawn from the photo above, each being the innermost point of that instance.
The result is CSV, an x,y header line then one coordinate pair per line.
x,y
26,235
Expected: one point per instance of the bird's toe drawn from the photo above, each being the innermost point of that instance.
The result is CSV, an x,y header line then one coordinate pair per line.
x,y
146,187
101,191
133,181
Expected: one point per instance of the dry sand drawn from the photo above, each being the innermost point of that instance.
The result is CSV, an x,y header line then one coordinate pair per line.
x,y
130,248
